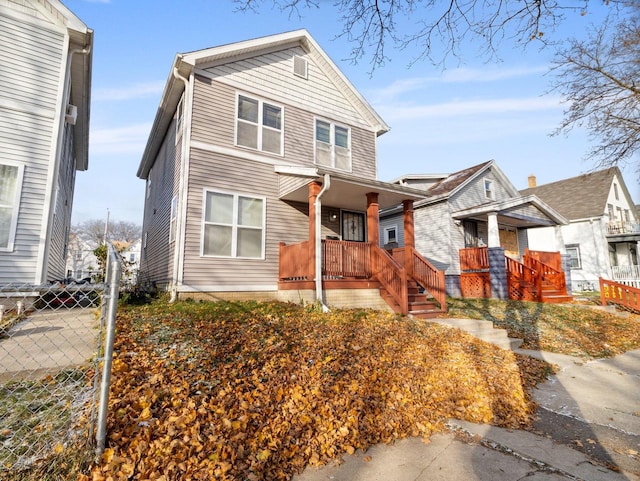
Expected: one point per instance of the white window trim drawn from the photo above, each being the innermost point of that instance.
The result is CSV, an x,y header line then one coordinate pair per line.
x,y
490,192
234,234
577,249
332,136
15,205
261,103
386,233
173,218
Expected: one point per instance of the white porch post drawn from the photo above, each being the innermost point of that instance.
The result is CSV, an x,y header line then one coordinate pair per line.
x,y
494,234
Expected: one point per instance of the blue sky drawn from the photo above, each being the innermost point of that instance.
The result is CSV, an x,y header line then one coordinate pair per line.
x,y
441,120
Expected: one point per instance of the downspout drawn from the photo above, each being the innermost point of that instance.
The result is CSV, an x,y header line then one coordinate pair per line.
x,y
326,185
181,190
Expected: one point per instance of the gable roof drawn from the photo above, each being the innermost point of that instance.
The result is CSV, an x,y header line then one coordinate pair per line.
x,y
184,64
579,197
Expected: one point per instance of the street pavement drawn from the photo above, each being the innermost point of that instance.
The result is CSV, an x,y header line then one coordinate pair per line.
x,y
589,421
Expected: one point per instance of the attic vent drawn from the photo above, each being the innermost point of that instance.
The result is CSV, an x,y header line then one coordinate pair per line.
x,y
300,67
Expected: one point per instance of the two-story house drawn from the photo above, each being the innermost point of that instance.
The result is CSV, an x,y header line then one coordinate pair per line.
x,y
45,84
603,231
473,225
260,174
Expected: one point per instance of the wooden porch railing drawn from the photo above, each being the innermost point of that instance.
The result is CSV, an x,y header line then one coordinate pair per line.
x,y
547,274
428,277
615,293
294,261
474,259
551,259
519,277
392,276
346,259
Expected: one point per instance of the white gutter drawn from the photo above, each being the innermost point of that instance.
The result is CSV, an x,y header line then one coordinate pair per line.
x,y
325,186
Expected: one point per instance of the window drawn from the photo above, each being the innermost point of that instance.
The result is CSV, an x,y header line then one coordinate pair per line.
x,y
611,213
627,215
179,117
390,234
173,219
132,257
10,188
259,125
233,225
574,256
488,189
333,145
615,191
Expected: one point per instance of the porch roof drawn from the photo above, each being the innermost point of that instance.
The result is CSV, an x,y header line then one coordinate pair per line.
x,y
527,211
345,191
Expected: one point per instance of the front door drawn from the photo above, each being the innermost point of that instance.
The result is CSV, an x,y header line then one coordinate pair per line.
x,y
353,226
509,241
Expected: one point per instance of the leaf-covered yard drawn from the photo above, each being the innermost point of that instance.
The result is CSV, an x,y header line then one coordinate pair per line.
x,y
258,391
577,330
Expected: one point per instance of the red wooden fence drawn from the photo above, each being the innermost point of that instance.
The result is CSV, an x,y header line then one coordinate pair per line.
x,y
615,293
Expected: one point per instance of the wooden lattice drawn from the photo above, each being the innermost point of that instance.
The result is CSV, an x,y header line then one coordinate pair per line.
x,y
522,291
475,285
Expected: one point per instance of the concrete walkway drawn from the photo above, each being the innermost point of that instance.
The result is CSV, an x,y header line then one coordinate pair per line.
x,y
589,418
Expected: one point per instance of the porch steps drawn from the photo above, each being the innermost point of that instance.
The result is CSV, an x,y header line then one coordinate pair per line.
x,y
555,296
483,330
419,303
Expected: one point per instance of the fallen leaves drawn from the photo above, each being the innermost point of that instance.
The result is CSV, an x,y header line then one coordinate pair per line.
x,y
259,391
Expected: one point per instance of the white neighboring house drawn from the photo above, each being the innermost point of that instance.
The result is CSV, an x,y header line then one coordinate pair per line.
x,y
81,261
603,232
45,84
131,258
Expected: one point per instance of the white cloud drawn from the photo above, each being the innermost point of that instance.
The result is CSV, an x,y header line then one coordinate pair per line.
x,y
458,75
137,91
455,108
121,140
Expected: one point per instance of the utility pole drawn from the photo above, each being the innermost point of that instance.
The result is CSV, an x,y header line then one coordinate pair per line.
x,y
106,228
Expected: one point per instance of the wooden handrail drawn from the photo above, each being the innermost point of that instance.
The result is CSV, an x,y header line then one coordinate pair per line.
x,y
392,276
615,293
517,271
428,277
551,259
547,273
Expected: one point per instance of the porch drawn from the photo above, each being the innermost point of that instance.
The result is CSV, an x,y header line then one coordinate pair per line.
x,y
407,282
486,273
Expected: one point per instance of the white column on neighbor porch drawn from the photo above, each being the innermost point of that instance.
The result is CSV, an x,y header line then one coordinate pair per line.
x,y
494,233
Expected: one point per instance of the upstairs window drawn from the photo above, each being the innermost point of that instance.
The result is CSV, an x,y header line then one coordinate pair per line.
x,y
259,125
233,225
615,191
488,189
333,145
10,189
391,235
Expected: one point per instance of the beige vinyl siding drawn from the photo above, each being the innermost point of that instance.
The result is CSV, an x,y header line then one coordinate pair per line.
x,y
284,222
62,209
271,75
214,118
157,257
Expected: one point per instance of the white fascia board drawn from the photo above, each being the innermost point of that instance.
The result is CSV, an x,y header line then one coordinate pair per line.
x,y
296,170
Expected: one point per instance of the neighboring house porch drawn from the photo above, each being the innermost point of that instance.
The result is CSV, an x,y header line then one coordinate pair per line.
x,y
344,246
623,239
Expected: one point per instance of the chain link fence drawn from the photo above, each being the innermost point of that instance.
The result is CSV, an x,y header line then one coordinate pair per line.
x,y
52,350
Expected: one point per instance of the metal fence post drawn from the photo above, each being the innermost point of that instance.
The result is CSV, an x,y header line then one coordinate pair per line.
x,y
112,278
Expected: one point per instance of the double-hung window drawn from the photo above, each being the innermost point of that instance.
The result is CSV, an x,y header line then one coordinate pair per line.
x,y
574,256
10,188
333,145
233,225
488,189
259,125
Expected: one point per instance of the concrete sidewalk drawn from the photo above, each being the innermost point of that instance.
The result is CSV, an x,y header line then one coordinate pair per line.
x,y
495,454
592,405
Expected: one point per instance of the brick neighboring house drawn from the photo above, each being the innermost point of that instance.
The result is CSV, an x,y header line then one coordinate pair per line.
x,y
603,232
